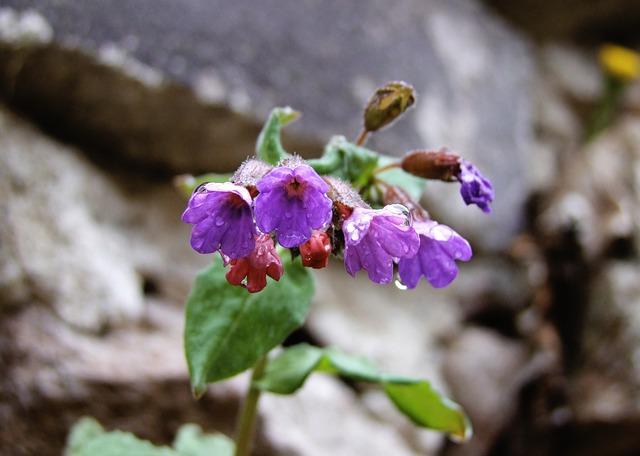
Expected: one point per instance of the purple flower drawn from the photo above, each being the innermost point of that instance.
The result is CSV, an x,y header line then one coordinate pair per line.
x,y
293,202
440,246
475,188
221,215
375,238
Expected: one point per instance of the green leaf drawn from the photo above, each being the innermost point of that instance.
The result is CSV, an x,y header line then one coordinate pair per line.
x,y
191,441
287,373
187,183
413,185
228,329
269,146
88,438
347,161
428,408
415,398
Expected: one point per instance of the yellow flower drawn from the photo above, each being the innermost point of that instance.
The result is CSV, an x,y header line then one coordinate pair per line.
x,y
620,62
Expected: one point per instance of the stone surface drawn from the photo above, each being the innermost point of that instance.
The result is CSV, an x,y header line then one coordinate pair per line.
x,y
250,59
607,383
485,372
599,190
53,236
325,417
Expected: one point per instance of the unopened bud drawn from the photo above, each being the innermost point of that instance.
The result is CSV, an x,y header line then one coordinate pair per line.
x,y
441,165
250,172
315,252
387,104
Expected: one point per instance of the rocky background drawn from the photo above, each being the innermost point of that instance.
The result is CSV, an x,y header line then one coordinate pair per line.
x,y
102,104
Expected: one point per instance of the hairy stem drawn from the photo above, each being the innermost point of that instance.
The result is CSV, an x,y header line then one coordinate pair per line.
x,y
247,420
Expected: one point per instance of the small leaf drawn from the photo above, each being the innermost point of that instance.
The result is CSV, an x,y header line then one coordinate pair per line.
x,y
288,372
347,161
191,441
355,367
414,186
269,146
228,329
87,438
415,398
428,408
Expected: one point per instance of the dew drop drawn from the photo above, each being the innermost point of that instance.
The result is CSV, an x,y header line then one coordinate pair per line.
x,y
355,236
219,221
399,285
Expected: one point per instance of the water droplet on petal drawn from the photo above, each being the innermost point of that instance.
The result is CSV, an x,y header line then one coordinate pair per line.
x,y
355,236
219,221
399,285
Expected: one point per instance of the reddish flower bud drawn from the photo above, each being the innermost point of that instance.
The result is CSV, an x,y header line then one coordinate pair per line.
x,y
441,165
315,252
262,262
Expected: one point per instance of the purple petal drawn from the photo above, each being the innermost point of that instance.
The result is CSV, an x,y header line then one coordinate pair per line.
x,y
374,238
440,247
475,188
292,202
221,219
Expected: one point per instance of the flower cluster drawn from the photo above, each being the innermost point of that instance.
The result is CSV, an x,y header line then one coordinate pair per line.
x,y
291,202
294,206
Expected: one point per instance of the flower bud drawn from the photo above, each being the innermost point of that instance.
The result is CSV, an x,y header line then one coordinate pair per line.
x,y
250,172
387,104
315,252
440,165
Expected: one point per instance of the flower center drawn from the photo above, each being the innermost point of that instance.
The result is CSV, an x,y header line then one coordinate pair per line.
x,y
236,201
295,189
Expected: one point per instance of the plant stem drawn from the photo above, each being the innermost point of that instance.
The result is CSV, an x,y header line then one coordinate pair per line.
x,y
362,137
382,169
247,420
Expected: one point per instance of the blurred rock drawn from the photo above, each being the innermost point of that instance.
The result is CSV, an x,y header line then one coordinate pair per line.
x,y
485,371
53,236
325,417
607,383
248,59
400,331
599,192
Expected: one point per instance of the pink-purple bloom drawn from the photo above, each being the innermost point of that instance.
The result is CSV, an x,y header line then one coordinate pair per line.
x,y
440,247
222,220
475,188
292,202
375,238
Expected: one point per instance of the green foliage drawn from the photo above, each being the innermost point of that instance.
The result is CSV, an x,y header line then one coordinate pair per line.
x,y
228,329
191,441
269,146
88,438
415,398
347,161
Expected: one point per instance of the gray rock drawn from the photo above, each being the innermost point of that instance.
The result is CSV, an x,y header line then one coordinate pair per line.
x,y
598,193
52,203
485,372
607,383
250,59
325,417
